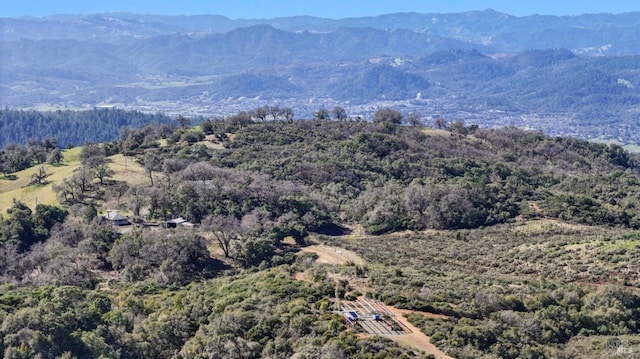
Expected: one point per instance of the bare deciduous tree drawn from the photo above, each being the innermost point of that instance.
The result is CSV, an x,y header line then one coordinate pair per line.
x,y
339,113
224,230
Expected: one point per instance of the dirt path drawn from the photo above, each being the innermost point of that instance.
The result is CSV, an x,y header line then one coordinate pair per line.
x,y
426,314
338,256
416,339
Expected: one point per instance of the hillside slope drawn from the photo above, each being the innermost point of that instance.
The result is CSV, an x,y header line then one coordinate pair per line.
x,y
494,242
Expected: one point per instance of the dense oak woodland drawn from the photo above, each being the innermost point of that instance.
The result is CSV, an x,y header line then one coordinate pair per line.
x,y
528,243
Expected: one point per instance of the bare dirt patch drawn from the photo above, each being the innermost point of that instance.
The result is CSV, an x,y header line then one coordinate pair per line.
x,y
418,340
299,276
426,314
333,255
211,142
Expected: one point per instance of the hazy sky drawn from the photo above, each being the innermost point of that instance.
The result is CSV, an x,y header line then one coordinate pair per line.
x,y
252,9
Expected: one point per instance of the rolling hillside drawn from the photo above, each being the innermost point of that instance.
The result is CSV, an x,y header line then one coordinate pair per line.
x,y
492,242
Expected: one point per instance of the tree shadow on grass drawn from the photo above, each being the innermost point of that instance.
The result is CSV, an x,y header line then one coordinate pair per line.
x,y
334,230
212,267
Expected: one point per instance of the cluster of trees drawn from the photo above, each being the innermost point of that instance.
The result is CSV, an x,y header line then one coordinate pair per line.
x,y
72,128
94,165
246,315
273,113
14,157
50,247
390,176
266,314
24,227
539,327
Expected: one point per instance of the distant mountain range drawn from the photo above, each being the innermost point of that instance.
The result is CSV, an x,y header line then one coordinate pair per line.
x,y
593,33
574,75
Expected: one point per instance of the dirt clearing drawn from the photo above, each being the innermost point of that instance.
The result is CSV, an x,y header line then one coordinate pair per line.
x,y
333,255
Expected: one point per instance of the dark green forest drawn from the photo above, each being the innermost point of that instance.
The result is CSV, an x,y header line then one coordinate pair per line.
x,y
524,243
71,128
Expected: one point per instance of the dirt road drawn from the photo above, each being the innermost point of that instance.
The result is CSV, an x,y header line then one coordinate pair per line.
x,y
416,339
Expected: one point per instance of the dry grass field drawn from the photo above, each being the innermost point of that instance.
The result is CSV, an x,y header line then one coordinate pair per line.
x,y
19,188
125,168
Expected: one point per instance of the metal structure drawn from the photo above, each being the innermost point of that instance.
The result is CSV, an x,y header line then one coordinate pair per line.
x,y
372,316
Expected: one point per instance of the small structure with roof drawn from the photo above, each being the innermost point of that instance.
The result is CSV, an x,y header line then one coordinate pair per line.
x,y
174,223
116,218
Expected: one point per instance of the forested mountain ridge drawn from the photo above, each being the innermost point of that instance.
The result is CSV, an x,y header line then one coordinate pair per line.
x,y
72,128
520,242
214,66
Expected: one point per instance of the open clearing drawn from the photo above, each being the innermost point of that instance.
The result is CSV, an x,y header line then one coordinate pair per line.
x,y
333,255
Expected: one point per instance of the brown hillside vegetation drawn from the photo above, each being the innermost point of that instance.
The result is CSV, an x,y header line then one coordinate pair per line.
x,y
483,243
